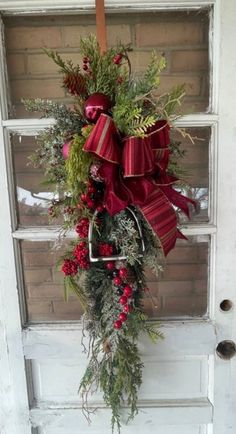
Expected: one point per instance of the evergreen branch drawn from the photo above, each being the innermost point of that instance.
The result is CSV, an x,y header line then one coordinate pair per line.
x,y
71,286
65,66
77,167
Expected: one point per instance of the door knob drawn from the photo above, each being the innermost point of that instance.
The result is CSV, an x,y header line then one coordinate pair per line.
x,y
226,349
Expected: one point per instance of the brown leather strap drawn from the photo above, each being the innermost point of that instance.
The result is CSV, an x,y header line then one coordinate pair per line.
x,y
101,25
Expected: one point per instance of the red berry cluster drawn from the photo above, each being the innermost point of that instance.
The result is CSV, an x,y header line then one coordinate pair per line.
x,y
85,63
69,267
80,254
105,249
125,291
117,59
86,67
91,199
51,211
82,227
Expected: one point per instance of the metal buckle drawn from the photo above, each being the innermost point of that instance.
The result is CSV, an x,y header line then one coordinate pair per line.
x,y
93,258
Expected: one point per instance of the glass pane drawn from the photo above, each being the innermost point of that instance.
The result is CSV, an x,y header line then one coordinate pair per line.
x,y
180,291
195,167
182,36
32,193
44,284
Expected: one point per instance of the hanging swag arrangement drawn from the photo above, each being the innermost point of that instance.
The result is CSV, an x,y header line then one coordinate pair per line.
x,y
114,167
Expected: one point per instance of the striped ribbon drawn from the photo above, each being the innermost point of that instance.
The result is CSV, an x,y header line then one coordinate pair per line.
x,y
135,173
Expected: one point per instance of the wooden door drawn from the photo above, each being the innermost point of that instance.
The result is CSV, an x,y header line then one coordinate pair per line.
x,y
189,377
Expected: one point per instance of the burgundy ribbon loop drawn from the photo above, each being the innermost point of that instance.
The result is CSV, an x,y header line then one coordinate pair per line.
x,y
138,158
104,140
134,172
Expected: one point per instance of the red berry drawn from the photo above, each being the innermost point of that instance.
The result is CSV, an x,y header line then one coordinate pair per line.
x,y
127,308
123,300
119,80
117,59
85,66
85,59
117,281
128,291
117,324
83,197
82,244
92,189
123,317
90,204
100,208
123,273
110,265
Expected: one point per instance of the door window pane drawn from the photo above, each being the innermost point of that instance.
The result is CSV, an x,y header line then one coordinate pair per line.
x,y
33,194
181,36
194,180
180,291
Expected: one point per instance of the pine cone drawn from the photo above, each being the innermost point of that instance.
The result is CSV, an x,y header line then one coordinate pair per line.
x,y
75,83
106,346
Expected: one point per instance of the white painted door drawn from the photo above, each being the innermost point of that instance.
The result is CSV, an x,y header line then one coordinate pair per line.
x,y
188,386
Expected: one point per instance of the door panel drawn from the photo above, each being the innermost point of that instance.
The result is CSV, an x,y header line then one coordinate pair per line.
x,y
187,429
162,379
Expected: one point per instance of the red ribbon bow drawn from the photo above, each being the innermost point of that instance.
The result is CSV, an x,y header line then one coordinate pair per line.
x,y
134,171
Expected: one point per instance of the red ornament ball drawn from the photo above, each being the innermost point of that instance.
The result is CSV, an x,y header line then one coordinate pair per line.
x,y
123,300
128,291
117,281
117,324
123,273
123,317
96,104
66,150
127,308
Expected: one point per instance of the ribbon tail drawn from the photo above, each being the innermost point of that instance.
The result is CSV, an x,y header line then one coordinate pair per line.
x,y
179,200
160,214
180,235
116,198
